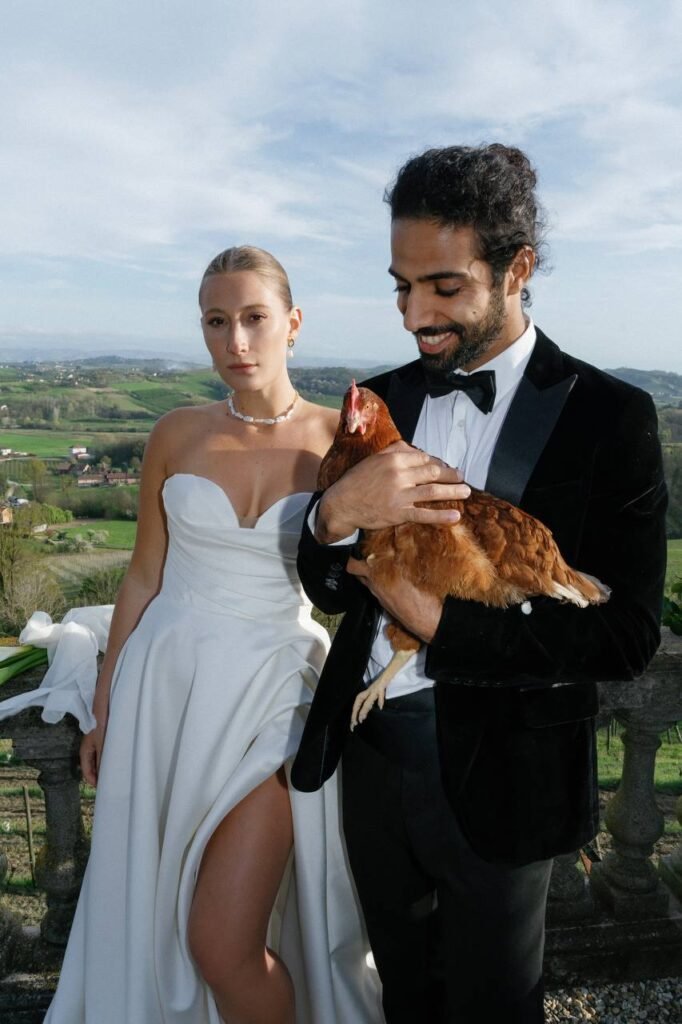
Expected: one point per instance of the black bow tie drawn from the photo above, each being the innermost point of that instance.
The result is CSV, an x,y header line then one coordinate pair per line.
x,y
479,386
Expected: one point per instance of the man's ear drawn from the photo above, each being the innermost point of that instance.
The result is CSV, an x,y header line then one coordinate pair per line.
x,y
520,270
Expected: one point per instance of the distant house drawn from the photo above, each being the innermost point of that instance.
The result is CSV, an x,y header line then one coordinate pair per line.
x,y
108,478
5,451
120,478
79,453
88,479
6,515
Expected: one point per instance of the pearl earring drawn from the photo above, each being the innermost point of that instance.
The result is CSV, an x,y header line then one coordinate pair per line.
x,y
290,347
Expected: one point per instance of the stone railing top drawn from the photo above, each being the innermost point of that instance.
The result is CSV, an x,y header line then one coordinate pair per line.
x,y
658,689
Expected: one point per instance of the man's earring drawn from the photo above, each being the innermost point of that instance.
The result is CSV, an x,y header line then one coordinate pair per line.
x,y
290,347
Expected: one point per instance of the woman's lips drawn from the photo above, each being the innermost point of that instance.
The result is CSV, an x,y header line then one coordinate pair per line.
x,y
241,367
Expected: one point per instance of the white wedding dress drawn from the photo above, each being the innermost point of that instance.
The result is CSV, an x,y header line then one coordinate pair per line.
x,y
208,700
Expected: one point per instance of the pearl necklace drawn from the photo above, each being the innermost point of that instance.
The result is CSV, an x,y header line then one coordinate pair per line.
x,y
266,419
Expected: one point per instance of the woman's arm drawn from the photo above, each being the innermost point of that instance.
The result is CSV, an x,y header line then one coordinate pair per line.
x,y
140,584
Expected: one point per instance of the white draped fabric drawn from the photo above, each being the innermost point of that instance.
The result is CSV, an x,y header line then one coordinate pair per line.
x,y
209,698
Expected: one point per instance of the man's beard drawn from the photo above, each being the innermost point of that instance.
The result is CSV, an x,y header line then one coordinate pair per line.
x,y
474,341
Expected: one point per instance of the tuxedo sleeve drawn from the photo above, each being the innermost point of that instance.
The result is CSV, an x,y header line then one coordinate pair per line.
x,y
623,543
322,568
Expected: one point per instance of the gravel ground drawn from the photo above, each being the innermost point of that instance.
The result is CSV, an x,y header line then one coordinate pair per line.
x,y
659,1002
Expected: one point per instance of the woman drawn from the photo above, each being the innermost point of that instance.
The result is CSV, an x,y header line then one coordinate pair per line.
x,y
211,662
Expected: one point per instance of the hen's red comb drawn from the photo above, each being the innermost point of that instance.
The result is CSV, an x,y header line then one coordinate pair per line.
x,y
353,397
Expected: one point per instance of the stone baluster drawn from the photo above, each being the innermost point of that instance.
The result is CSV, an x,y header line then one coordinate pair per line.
x,y
61,862
627,879
9,939
670,867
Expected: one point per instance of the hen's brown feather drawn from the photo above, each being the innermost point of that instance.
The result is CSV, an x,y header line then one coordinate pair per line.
x,y
495,553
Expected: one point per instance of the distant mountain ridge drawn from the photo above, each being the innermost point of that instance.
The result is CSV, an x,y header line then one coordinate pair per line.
x,y
664,387
154,361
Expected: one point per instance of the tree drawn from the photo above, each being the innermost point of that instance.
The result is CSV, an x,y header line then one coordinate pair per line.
x,y
38,479
25,585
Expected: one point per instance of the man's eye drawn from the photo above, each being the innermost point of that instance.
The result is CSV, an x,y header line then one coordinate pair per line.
x,y
400,288
447,292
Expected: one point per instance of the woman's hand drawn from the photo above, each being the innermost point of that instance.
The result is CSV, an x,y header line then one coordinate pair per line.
x,y
92,745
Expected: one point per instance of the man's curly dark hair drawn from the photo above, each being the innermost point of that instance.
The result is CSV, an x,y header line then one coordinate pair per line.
x,y
490,188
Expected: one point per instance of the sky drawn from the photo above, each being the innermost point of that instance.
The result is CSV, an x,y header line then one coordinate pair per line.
x,y
141,138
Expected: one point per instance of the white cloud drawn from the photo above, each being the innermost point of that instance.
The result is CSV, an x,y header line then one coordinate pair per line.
x,y
140,138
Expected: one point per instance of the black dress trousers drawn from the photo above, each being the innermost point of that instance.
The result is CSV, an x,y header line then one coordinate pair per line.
x,y
456,939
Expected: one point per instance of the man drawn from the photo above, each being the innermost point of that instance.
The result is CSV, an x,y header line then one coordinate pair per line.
x,y
481,767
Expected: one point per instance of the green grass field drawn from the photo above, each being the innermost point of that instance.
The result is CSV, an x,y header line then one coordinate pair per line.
x,y
121,533
55,443
43,442
668,762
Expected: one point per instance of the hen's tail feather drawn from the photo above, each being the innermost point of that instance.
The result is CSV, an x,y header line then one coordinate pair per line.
x,y
581,589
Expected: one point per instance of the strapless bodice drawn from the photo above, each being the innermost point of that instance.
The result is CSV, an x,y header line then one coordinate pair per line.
x,y
216,565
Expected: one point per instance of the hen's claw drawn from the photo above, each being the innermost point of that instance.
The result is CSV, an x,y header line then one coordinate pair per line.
x,y
365,701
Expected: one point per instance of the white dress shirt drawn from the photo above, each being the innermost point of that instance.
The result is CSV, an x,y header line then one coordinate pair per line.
x,y
454,429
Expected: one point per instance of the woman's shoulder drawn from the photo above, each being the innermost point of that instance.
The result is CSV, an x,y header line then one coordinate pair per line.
x,y
180,427
322,414
187,417
322,419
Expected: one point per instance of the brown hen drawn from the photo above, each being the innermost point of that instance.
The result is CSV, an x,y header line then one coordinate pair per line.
x,y
495,553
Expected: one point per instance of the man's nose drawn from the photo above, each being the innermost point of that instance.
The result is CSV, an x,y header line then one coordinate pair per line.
x,y
416,312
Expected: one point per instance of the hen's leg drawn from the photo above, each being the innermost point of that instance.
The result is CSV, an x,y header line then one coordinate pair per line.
x,y
365,701
404,645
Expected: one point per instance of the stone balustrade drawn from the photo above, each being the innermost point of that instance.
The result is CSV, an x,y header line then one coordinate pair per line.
x,y
621,917
611,918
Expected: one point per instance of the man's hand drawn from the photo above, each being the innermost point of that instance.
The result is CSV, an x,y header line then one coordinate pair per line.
x,y
383,490
416,610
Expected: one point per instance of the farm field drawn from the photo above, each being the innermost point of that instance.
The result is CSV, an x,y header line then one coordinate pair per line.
x,y
56,443
43,443
121,532
70,570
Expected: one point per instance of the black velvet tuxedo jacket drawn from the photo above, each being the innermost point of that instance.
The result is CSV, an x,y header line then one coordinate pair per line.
x,y
516,694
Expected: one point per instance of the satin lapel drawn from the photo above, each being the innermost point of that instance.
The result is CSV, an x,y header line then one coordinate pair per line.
x,y
405,397
531,419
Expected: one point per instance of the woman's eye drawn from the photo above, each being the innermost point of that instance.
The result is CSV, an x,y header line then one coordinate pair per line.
x,y
258,317
215,321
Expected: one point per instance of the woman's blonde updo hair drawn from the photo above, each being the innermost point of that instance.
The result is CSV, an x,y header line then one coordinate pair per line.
x,y
250,257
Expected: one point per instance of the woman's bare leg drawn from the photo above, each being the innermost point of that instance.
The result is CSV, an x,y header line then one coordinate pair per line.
x,y
240,874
